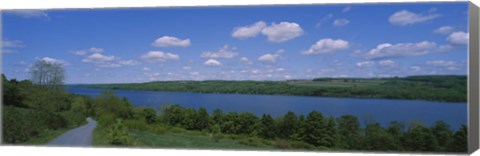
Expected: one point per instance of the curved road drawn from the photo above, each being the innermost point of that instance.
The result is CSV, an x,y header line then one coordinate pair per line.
x,y
81,136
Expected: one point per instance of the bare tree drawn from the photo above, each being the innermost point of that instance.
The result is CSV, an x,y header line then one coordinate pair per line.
x,y
47,74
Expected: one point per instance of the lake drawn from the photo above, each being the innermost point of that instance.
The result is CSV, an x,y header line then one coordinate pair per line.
x,y
379,110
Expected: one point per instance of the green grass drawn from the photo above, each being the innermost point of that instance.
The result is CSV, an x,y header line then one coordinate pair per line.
x,y
182,140
45,137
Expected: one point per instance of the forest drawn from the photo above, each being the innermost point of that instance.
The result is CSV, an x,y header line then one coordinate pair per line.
x,y
447,88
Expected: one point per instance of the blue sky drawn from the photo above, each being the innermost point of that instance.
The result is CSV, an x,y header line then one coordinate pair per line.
x,y
239,43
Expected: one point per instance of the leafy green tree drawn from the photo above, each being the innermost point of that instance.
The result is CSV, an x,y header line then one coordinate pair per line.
x,y
348,130
330,135
420,138
314,129
150,115
247,123
230,126
172,114
79,105
268,128
396,130
189,118
378,139
460,140
442,132
288,126
202,121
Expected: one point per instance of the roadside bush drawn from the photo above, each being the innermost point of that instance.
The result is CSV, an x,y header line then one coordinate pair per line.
x,y
136,124
118,134
217,137
301,145
73,119
106,119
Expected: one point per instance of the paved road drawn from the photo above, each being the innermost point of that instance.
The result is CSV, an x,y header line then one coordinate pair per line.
x,y
81,136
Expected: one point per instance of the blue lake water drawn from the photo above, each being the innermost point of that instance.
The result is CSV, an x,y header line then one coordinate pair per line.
x,y
380,110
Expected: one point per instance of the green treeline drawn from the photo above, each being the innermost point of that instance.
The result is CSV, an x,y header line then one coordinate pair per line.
x,y
434,88
118,118
31,111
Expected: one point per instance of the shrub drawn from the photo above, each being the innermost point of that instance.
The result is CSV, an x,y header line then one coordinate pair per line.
x,y
301,145
251,141
118,134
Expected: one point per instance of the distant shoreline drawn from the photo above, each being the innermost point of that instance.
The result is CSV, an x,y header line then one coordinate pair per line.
x,y
443,88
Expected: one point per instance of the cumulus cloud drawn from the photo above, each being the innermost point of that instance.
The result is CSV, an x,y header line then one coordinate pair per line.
x,y
443,30
327,45
365,64
29,13
224,52
52,60
459,38
405,17
248,31
341,22
97,57
128,62
95,50
146,69
387,63
170,41
271,58
387,50
245,60
447,65
80,52
282,31
159,57
212,62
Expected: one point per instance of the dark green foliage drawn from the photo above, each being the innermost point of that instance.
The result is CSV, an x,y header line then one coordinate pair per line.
x,y
268,128
202,121
315,129
420,138
378,139
288,126
348,130
460,140
443,134
434,87
247,124
330,135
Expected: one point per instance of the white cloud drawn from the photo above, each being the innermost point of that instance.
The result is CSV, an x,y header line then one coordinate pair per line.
x,y
170,41
95,50
146,69
280,69
346,9
405,17
29,13
327,45
212,62
282,32
245,60
443,30
159,56
458,37
248,31
387,50
365,64
224,52
341,22
52,60
128,62
271,58
97,57
387,63
186,68
441,63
